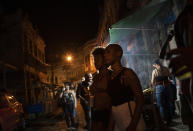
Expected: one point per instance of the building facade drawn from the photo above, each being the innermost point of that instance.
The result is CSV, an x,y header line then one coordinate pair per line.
x,y
22,48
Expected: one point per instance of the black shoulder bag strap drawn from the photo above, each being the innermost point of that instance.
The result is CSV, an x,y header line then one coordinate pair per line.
x,y
130,109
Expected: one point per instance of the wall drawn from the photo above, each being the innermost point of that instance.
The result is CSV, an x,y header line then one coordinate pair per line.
x,y
87,56
113,11
142,48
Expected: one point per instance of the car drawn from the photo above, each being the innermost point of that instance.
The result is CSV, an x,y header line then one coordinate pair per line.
x,y
11,113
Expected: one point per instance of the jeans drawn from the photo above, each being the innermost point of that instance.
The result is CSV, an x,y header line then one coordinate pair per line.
x,y
164,100
86,112
69,112
75,113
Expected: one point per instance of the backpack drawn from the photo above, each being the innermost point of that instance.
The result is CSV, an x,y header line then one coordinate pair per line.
x,y
67,98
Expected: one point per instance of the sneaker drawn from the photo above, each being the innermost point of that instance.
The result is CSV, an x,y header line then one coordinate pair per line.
x,y
68,129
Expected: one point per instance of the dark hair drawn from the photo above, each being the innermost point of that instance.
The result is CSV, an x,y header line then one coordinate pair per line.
x,y
157,61
67,83
98,51
117,48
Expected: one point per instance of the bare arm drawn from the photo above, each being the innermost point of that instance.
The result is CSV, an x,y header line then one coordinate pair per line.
x,y
131,80
153,78
75,100
61,94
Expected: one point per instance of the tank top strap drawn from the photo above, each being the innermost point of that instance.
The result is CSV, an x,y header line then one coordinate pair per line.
x,y
121,73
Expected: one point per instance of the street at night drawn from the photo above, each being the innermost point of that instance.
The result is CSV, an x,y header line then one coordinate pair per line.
x,y
96,65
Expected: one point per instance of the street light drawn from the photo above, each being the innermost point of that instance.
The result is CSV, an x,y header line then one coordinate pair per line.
x,y
69,58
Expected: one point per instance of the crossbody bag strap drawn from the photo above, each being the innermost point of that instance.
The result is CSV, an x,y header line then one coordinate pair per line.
x,y
129,105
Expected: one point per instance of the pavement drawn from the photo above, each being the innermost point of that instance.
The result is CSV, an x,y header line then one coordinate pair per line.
x,y
55,122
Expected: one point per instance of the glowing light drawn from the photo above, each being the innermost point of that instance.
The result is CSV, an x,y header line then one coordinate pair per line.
x,y
69,58
130,46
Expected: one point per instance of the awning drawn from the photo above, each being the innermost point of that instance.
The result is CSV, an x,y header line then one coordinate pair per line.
x,y
137,21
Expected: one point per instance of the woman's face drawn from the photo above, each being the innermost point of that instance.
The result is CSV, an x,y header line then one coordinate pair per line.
x,y
67,87
156,66
98,61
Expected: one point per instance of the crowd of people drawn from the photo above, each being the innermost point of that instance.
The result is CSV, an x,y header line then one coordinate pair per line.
x,y
112,98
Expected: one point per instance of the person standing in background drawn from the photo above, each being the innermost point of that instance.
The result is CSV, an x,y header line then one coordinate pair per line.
x,y
164,97
83,94
68,100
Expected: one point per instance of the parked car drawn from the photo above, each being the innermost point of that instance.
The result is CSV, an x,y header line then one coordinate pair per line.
x,y
11,113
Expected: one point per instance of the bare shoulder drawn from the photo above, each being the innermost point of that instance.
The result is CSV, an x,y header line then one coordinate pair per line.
x,y
130,78
129,72
129,75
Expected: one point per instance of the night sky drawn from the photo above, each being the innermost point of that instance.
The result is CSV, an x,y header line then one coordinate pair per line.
x,y
62,22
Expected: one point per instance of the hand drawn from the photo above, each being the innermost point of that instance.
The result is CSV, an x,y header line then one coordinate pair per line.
x,y
183,62
131,127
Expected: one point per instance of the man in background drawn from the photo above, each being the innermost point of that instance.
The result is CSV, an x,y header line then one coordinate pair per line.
x,y
82,93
